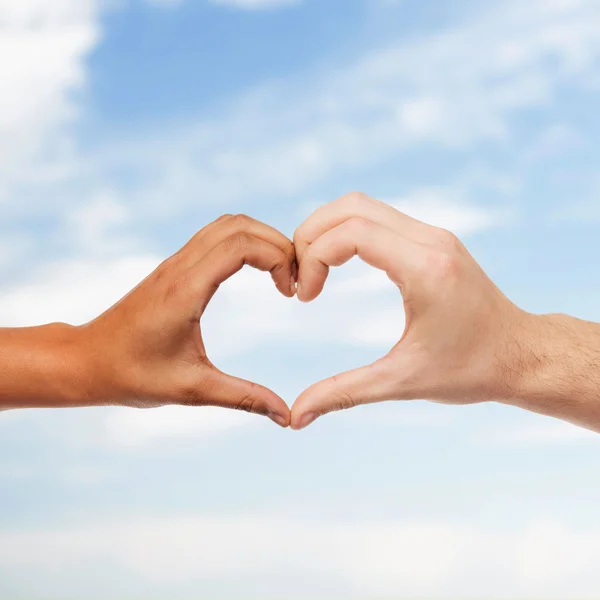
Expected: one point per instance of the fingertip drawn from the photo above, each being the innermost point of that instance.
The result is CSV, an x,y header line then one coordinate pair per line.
x,y
307,296
303,406
302,421
231,392
284,282
285,291
301,293
281,420
276,408
289,291
306,291
312,277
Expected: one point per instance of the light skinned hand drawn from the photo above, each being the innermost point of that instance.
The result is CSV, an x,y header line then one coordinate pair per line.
x,y
148,350
460,339
464,341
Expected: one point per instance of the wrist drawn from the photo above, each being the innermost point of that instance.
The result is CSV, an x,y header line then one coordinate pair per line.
x,y
553,368
100,381
43,367
113,374
72,367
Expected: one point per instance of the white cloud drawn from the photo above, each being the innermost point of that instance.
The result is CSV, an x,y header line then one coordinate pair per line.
x,y
277,141
42,49
268,319
131,427
383,559
73,291
447,208
551,554
101,226
420,117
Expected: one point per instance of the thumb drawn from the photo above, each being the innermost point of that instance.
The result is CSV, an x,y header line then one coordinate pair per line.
x,y
373,383
230,392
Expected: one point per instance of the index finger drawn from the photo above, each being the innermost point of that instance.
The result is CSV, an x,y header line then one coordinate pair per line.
x,y
227,225
377,246
359,205
228,257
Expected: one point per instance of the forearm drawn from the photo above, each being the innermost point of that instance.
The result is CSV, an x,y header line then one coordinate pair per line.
x,y
43,367
557,359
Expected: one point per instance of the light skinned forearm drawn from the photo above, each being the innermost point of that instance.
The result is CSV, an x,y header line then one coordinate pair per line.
x,y
43,367
557,358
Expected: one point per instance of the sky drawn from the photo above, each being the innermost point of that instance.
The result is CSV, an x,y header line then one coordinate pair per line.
x,y
127,125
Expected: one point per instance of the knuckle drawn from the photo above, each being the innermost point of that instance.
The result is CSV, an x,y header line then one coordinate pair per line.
x,y
358,226
300,240
357,199
280,265
224,217
172,289
239,242
241,222
442,264
163,269
290,251
196,239
166,269
297,237
447,239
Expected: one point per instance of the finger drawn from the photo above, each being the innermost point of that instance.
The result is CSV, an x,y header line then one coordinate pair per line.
x,y
228,257
227,225
230,392
243,223
373,383
376,245
358,205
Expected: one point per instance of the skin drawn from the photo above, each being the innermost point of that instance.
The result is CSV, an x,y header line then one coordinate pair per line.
x,y
147,350
464,340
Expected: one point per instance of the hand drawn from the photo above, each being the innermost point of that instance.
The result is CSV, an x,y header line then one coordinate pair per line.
x,y
461,334
147,350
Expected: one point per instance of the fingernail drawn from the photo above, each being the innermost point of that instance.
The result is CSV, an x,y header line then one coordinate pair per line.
x,y
279,419
307,419
293,285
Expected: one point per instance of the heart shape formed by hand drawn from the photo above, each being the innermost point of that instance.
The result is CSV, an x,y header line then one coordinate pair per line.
x,y
449,340
148,349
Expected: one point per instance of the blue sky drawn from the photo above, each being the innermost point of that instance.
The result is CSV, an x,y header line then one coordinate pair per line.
x,y
125,126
